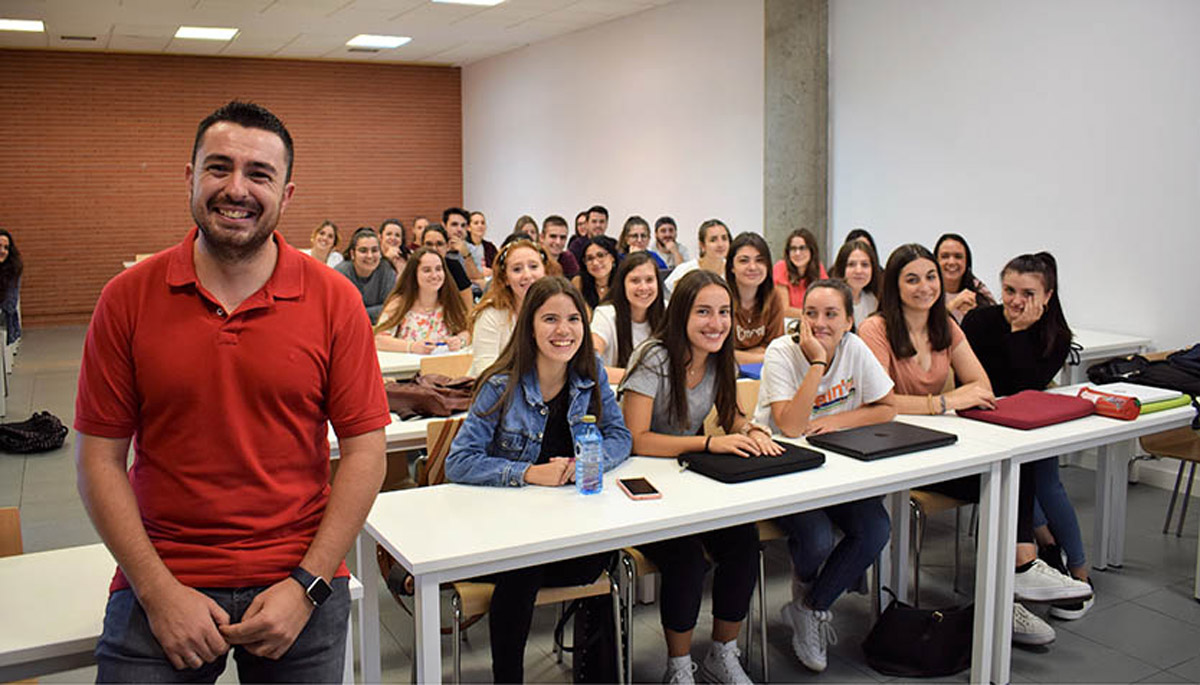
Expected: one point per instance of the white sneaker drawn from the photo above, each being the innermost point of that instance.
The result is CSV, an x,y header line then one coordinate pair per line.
x,y
1040,583
1028,628
812,632
722,665
684,674
1070,611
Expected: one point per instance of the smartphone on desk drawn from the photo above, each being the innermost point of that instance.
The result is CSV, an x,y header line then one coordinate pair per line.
x,y
638,488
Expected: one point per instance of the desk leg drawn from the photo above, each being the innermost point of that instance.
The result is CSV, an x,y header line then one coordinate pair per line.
x,y
1120,455
368,610
429,631
897,558
1100,536
1006,560
982,658
1196,588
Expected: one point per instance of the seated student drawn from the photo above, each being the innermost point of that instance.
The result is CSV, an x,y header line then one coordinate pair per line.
x,y
323,239
635,237
11,268
672,251
364,267
482,250
518,265
391,236
673,381
962,290
554,239
423,310
918,343
858,267
758,308
1023,344
538,390
412,236
434,236
600,260
595,224
527,225
801,265
714,245
822,378
634,310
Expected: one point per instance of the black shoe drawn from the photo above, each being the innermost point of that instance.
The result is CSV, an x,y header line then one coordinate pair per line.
x,y
1053,555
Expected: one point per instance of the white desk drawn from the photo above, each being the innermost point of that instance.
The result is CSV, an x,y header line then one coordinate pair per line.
x,y
399,364
485,530
399,435
1098,346
1050,441
53,610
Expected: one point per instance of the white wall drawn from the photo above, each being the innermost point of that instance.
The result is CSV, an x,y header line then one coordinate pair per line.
x,y
1071,126
657,113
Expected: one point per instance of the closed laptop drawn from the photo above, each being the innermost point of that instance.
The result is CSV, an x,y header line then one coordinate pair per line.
x,y
868,443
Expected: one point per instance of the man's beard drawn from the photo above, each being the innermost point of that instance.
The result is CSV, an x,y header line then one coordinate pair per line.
x,y
232,250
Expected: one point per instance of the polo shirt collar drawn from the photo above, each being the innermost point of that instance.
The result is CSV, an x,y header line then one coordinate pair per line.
x,y
286,281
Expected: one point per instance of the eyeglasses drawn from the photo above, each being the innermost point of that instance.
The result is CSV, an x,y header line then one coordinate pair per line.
x,y
597,257
798,248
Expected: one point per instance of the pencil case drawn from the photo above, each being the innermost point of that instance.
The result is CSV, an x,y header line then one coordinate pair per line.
x,y
1113,406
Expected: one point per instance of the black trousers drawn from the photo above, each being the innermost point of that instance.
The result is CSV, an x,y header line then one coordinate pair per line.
x,y
511,612
967,489
683,563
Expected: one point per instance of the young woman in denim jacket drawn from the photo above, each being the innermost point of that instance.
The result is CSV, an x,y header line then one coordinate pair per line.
x,y
519,432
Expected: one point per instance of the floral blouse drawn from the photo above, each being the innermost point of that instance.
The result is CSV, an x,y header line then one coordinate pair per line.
x,y
417,326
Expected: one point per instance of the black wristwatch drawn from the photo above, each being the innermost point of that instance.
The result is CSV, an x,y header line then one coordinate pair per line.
x,y
314,586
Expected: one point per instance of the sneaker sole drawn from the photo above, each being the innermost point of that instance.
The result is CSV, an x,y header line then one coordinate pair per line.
x,y
703,675
790,619
1071,614
1064,594
1033,640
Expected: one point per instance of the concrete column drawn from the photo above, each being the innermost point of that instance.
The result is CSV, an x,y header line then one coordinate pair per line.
x,y
797,121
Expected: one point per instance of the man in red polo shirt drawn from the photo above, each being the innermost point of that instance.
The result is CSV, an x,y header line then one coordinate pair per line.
x,y
222,359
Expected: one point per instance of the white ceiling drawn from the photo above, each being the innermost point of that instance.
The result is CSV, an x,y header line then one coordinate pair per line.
x,y
309,29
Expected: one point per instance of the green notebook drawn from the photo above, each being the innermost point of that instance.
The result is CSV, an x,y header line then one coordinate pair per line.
x,y
1181,401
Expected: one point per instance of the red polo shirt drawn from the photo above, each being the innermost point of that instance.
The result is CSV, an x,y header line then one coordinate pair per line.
x,y
228,410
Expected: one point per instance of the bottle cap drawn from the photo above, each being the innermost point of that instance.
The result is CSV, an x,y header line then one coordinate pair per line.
x,y
588,418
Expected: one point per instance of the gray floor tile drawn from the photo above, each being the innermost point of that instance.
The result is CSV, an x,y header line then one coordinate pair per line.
x,y
1075,659
1188,670
1175,601
12,475
1139,632
1165,677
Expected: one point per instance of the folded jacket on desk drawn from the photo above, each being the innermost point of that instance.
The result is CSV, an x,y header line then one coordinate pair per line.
x,y
1032,409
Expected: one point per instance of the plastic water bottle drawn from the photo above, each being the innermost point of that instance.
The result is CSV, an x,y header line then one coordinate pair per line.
x,y
589,458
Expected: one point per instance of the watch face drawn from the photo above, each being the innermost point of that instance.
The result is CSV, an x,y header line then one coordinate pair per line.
x,y
319,591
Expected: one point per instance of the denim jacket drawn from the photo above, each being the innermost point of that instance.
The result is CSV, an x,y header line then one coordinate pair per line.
x,y
496,449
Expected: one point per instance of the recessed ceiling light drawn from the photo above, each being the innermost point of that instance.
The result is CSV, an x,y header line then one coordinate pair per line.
x,y
489,3
32,25
205,33
366,40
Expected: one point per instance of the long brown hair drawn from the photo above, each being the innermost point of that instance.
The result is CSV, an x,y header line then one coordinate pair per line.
x,y
673,336
500,294
892,309
520,355
656,313
838,270
454,312
811,272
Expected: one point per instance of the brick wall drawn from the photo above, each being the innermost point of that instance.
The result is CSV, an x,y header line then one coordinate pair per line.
x,y
93,148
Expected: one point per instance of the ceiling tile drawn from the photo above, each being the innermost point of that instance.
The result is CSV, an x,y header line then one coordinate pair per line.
x,y
23,39
186,46
119,43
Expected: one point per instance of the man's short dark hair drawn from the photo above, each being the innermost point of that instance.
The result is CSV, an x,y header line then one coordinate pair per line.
x,y
455,210
598,209
665,221
554,220
248,115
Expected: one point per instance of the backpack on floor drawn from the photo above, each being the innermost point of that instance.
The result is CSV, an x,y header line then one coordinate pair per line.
x,y
41,432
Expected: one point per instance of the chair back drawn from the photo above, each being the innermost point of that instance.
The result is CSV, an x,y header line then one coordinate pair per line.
x,y
747,397
438,436
452,365
10,532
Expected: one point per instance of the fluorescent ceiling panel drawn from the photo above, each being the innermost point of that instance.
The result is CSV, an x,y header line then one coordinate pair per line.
x,y
205,33
366,40
31,25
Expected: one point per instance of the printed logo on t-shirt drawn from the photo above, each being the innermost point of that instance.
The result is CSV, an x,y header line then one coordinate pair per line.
x,y
837,396
744,334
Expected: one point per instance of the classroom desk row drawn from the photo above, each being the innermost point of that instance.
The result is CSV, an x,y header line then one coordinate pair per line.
x,y
471,539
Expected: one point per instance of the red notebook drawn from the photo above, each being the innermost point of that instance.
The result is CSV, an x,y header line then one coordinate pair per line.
x,y
1032,409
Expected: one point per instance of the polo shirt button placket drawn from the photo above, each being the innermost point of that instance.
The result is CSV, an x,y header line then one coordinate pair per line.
x,y
220,312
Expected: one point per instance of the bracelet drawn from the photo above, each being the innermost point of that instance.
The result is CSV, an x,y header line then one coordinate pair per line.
x,y
943,399
929,401
821,362
706,441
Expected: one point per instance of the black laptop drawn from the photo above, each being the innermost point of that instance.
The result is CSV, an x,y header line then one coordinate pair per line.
x,y
868,443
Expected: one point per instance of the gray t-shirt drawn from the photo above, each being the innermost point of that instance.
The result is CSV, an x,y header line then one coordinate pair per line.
x,y
652,379
374,288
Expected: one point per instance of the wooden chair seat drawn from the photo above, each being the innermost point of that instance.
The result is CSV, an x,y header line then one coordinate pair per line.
x,y
453,365
1182,444
476,597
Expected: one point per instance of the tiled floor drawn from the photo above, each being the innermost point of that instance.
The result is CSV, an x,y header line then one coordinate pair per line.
x,y
1145,626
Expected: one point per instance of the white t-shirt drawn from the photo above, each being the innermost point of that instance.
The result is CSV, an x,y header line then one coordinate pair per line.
x,y
855,378
604,326
866,306
678,273
492,331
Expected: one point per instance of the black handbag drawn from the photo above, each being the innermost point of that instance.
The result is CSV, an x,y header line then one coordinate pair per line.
x,y
730,468
41,432
920,643
594,650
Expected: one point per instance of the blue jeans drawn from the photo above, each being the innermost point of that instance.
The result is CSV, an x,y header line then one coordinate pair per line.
x,y
865,530
1053,507
129,652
